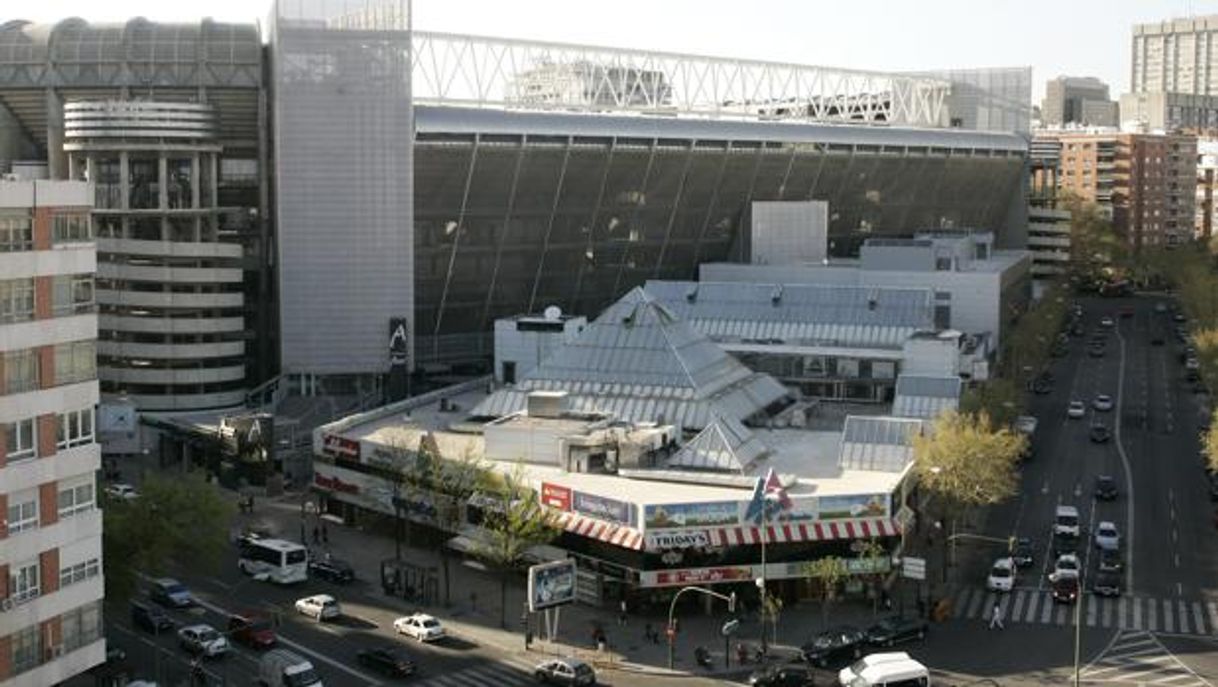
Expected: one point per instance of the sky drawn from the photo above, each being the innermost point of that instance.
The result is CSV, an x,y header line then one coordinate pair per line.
x,y
1054,37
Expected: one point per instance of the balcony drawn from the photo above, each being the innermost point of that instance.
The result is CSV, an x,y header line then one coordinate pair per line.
x,y
124,349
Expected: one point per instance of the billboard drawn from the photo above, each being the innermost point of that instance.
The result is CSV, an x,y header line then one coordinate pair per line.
x,y
603,508
679,515
551,584
399,358
556,496
340,448
853,506
249,438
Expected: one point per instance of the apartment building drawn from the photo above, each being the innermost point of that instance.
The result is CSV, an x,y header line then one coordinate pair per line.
x,y
1144,182
50,537
1077,100
1176,56
1207,185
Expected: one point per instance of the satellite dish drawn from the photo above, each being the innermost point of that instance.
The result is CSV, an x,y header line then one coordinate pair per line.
x,y
553,312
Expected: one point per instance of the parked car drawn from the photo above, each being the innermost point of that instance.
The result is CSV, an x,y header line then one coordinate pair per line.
x,y
1179,317
1023,553
791,675
150,618
1002,576
320,606
1102,403
1100,434
202,639
421,626
388,661
1076,410
565,671
1106,536
1106,583
835,646
332,569
1192,364
1065,589
252,630
1105,488
121,491
169,592
1160,307
1157,339
1110,561
895,629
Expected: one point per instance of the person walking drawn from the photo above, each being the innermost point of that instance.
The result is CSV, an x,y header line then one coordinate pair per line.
x,y
621,616
996,618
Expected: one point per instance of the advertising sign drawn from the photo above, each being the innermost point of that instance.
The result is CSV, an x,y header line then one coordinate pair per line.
x,y
681,515
678,540
399,341
670,578
340,448
803,509
556,496
603,508
551,584
853,506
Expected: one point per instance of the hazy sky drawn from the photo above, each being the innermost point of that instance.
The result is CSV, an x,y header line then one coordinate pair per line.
x,y
1075,37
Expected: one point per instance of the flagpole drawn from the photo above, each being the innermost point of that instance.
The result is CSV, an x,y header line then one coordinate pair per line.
x,y
765,534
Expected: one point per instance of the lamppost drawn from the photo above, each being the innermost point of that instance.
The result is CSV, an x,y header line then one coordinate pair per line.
x,y
770,499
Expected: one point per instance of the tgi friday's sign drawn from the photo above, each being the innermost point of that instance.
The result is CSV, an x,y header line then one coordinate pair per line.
x,y
686,539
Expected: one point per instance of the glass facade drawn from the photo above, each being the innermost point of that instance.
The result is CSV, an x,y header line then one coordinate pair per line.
x,y
510,223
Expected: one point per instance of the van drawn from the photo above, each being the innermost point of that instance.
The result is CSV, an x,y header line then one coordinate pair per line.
x,y
282,668
892,669
1066,521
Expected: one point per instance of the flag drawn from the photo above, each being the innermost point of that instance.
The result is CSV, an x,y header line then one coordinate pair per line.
x,y
775,493
768,498
757,502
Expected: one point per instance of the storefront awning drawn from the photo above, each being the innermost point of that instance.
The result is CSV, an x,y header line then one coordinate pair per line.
x,y
781,534
618,535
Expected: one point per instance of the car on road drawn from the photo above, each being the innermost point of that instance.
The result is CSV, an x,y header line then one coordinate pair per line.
x,y
564,671
1179,317
169,592
1076,410
895,629
1096,350
1064,542
121,491
791,675
388,661
150,618
252,630
1065,589
1106,583
1106,536
1160,307
1065,520
1110,561
1102,403
1107,321
1023,553
1099,434
1002,576
202,639
1065,566
836,646
320,606
1105,488
421,626
1192,364
1212,480
332,569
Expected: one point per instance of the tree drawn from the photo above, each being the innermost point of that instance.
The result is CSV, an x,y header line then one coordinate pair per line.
x,y
515,521
870,550
1209,443
827,573
178,522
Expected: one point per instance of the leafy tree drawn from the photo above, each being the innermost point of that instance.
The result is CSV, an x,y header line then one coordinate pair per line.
x,y
176,522
872,549
1209,443
827,574
515,521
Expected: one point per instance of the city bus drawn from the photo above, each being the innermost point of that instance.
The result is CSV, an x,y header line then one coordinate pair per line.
x,y
274,560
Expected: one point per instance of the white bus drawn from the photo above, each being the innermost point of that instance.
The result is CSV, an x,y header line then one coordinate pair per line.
x,y
276,560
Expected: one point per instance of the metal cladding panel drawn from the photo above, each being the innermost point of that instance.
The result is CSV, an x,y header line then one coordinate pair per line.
x,y
342,112
878,443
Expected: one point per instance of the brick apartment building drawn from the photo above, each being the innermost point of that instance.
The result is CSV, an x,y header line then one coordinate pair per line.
x,y
50,537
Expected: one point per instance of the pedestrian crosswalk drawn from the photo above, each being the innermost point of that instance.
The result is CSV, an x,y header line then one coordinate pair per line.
x,y
1171,616
1138,657
507,674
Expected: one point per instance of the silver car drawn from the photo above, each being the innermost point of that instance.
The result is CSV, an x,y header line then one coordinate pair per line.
x,y
1106,536
202,639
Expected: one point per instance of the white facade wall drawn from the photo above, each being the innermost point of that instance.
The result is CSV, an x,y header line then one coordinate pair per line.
x,y
528,348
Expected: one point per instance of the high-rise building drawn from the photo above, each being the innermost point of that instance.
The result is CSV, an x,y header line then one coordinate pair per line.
x,y
1077,100
50,536
1176,56
1182,112
1207,187
1144,182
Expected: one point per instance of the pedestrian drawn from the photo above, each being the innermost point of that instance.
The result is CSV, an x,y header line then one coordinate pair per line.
x,y
621,616
325,536
316,534
996,617
647,631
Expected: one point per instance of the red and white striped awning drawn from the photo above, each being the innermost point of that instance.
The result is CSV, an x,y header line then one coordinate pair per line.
x,y
779,534
618,535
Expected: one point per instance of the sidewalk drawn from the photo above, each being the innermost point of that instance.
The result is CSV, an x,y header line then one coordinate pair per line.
x,y
474,611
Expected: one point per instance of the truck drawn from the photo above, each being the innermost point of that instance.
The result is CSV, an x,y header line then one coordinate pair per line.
x,y
282,668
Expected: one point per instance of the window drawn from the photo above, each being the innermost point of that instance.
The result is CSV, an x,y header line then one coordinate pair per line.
x,y
16,233
72,294
82,626
79,572
25,648
20,440
72,228
21,371
23,581
22,511
75,428
881,369
16,300
76,499
75,362
847,368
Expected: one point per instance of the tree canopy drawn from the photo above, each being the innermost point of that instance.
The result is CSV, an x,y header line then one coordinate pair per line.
x,y
967,461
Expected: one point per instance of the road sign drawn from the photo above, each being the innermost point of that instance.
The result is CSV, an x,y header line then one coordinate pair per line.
x,y
730,627
913,568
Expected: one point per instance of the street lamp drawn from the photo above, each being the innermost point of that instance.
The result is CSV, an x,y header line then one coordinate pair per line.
x,y
770,499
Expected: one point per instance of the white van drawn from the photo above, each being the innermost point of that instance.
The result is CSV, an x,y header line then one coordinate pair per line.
x,y
892,669
1065,521
282,668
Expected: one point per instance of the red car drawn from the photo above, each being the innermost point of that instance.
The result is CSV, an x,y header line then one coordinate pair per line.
x,y
252,630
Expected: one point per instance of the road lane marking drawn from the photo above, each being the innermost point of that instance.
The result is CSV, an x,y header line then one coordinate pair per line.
x,y
1107,605
1017,605
1152,615
1177,559
1064,613
1122,611
1047,612
1092,610
1183,615
1033,600
1169,618
1212,608
1198,618
1125,463
1137,614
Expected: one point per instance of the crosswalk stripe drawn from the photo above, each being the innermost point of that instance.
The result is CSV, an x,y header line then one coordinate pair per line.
x,y
1017,605
1137,614
1122,610
1183,615
1033,600
1065,614
1169,619
1047,612
479,676
1212,608
1108,605
1152,615
1198,618
962,601
1092,610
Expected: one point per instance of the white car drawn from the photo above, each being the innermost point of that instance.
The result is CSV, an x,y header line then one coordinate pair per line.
x,y
1107,537
320,606
1002,576
1076,410
1102,402
120,490
421,626
1107,322
202,639
1191,364
1066,565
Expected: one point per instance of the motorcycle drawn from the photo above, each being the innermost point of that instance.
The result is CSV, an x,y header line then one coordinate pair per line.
x,y
702,657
